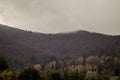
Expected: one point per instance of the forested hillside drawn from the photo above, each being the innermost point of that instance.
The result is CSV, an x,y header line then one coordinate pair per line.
x,y
79,55
23,48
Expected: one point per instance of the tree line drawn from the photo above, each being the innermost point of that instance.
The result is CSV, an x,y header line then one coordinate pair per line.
x,y
89,68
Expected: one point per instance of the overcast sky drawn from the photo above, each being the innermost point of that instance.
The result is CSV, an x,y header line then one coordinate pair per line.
x,y
51,16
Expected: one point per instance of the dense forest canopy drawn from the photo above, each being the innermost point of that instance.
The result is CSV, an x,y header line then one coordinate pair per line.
x,y
79,55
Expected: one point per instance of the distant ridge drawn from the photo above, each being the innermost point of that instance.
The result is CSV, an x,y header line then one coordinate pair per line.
x,y
2,26
22,48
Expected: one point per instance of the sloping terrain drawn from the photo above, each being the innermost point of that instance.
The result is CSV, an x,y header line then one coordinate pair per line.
x,y
22,48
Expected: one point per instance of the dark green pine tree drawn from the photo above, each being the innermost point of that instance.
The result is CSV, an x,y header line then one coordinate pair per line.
x,y
55,76
29,74
66,75
3,64
75,76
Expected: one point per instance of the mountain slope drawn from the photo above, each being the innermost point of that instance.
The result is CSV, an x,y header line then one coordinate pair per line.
x,y
23,48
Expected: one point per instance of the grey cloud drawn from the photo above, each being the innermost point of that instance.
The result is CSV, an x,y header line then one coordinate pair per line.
x,y
50,16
